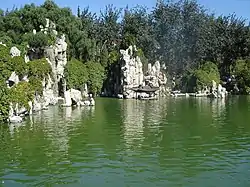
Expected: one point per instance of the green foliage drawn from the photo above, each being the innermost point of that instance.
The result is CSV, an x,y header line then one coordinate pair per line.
x,y
39,69
76,74
21,93
97,75
8,64
4,61
140,54
196,80
113,57
18,65
38,40
36,85
4,102
5,39
4,53
242,72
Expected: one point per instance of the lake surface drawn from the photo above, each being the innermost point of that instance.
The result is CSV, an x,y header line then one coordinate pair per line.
x,y
171,142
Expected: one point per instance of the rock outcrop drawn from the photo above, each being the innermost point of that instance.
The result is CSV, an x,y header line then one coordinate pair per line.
x,y
53,87
213,91
14,51
131,73
217,91
73,97
154,77
57,58
132,76
13,79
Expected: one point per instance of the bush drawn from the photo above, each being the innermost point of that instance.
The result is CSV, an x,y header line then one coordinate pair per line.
x,y
39,68
241,70
4,53
96,77
4,102
22,93
18,65
39,40
76,74
196,80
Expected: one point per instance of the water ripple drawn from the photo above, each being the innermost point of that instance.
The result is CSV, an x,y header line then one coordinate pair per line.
x,y
170,142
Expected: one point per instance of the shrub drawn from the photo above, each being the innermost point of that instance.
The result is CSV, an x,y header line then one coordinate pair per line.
x,y
76,74
96,76
196,80
241,70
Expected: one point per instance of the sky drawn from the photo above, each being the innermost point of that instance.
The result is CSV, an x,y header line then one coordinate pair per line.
x,y
225,7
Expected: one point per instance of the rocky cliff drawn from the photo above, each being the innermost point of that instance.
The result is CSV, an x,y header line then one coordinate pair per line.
x,y
53,84
128,75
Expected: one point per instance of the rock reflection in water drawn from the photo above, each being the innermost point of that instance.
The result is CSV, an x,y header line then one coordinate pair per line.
x,y
133,112
141,115
218,109
215,106
14,127
56,122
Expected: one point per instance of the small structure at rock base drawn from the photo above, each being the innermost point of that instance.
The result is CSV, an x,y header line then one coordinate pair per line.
x,y
145,92
129,75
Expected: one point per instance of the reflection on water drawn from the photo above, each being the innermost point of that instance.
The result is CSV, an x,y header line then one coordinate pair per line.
x,y
167,142
133,112
140,116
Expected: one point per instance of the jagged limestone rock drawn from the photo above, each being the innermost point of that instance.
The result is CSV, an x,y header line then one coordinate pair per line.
x,y
89,102
154,77
57,58
13,79
76,96
14,51
131,74
72,97
217,91
67,99
15,119
53,87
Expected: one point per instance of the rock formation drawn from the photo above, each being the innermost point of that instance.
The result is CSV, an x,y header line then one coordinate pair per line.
x,y
57,58
217,91
132,76
156,78
74,97
213,91
52,87
14,51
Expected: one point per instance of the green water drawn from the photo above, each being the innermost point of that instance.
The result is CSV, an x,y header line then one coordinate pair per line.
x,y
170,142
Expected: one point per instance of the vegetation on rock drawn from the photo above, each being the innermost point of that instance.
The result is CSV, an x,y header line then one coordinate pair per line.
x,y
4,102
180,34
23,92
196,80
77,74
